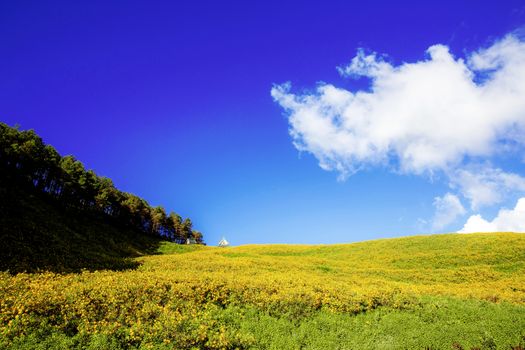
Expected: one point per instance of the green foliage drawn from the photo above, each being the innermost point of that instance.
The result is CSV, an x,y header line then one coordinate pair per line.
x,y
27,163
438,323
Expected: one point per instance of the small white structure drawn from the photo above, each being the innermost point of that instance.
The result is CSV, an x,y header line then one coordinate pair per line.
x,y
223,243
191,241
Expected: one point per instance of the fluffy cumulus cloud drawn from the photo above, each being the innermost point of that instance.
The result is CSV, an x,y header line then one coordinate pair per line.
x,y
507,220
441,115
448,209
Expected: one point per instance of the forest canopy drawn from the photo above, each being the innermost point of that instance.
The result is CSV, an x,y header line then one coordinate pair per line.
x,y
27,162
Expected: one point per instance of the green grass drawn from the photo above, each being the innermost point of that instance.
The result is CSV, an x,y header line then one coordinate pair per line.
x,y
167,248
438,323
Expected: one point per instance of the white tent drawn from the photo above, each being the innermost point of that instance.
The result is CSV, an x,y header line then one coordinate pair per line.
x,y
223,242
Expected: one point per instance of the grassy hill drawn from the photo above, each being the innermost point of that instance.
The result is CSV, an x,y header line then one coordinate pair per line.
x,y
38,234
425,292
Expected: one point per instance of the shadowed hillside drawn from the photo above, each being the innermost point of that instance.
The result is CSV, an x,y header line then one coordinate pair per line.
x,y
39,235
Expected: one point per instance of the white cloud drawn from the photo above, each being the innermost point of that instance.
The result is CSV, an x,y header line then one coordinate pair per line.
x,y
448,209
486,185
442,114
506,220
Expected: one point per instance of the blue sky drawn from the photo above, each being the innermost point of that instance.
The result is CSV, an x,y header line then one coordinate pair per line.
x,y
174,103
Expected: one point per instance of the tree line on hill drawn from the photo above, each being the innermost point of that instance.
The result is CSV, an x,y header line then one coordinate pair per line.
x,y
26,161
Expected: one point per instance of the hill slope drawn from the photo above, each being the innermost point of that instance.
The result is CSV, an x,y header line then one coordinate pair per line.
x,y
434,292
37,234
486,266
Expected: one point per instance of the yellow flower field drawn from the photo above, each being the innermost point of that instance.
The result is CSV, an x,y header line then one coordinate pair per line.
x,y
177,298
